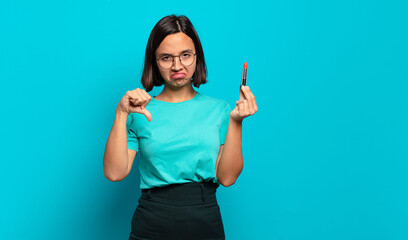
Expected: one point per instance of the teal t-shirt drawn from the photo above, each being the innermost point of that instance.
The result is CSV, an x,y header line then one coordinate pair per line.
x,y
181,143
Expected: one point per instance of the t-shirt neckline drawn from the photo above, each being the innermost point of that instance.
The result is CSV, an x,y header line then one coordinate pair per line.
x,y
187,101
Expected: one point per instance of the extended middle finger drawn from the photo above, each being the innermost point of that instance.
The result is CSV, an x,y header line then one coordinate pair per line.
x,y
254,100
250,97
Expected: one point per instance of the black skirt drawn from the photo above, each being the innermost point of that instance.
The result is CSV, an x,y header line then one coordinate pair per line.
x,y
177,212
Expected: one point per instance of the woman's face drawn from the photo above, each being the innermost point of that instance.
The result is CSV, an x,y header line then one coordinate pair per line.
x,y
176,44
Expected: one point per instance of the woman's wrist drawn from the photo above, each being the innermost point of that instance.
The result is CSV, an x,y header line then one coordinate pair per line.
x,y
236,121
121,114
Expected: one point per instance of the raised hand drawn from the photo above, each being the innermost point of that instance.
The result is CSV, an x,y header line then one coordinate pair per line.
x,y
245,106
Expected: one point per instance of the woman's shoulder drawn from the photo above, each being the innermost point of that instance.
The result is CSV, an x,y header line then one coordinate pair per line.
x,y
213,100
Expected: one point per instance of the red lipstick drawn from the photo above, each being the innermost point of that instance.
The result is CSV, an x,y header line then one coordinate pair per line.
x,y
244,74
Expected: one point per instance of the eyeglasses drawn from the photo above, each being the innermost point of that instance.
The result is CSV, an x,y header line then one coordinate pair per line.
x,y
166,61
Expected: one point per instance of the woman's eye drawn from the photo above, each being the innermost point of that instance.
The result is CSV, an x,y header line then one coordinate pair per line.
x,y
166,58
186,55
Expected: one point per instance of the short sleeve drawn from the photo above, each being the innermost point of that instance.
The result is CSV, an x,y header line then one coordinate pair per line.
x,y
132,139
224,123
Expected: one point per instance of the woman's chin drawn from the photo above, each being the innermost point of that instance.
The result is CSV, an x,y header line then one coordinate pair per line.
x,y
179,82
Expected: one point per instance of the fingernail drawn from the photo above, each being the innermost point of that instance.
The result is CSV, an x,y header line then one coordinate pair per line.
x,y
243,87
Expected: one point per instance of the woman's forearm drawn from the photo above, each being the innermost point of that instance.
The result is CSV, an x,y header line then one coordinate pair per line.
x,y
115,160
231,161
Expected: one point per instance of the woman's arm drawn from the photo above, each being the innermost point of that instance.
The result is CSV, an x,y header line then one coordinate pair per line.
x,y
230,162
118,160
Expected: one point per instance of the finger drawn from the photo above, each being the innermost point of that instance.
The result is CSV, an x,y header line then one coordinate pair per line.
x,y
141,95
145,94
241,108
137,99
148,98
247,108
241,94
253,100
245,91
133,97
249,97
238,103
235,112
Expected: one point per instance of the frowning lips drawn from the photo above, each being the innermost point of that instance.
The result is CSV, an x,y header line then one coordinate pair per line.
x,y
178,75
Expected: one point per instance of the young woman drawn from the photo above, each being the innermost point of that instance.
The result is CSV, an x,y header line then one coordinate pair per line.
x,y
189,143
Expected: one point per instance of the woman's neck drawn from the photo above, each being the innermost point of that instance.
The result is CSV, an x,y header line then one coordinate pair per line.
x,y
170,94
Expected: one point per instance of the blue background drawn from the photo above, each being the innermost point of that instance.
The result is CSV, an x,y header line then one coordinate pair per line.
x,y
325,156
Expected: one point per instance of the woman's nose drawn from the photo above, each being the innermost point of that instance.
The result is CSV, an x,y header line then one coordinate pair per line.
x,y
177,64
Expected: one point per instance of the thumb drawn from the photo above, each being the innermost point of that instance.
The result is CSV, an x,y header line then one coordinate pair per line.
x,y
147,114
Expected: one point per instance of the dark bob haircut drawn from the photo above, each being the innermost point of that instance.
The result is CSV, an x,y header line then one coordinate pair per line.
x,y
166,26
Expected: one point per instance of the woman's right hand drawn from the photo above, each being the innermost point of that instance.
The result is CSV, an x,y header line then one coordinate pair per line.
x,y
135,101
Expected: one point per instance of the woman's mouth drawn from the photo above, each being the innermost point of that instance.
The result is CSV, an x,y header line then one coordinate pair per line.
x,y
178,75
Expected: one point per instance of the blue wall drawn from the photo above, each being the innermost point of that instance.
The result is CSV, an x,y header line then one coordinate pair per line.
x,y
326,155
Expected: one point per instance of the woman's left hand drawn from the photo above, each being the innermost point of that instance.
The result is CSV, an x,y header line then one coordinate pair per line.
x,y
245,106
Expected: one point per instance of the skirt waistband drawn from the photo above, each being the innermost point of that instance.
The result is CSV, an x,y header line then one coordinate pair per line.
x,y
182,194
